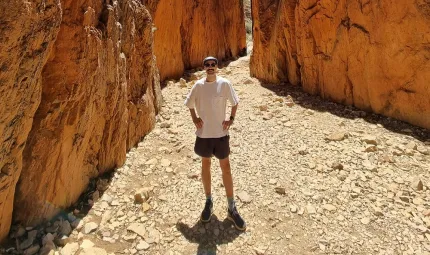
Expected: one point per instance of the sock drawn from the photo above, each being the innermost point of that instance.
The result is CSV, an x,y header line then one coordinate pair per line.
x,y
231,203
209,197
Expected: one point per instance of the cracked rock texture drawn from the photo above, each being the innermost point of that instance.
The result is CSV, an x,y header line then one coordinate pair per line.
x,y
370,54
186,31
27,33
79,88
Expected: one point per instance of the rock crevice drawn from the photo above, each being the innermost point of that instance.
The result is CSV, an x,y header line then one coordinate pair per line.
x,y
186,31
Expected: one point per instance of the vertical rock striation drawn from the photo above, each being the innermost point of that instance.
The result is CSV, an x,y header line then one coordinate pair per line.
x,y
27,33
189,30
100,94
374,55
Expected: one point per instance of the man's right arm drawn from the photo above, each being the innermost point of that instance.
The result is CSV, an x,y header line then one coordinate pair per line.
x,y
197,121
190,103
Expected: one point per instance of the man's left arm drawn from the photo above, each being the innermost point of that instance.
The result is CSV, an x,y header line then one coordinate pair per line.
x,y
234,101
227,123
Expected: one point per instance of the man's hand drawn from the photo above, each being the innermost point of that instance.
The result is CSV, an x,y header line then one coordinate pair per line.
x,y
198,122
226,124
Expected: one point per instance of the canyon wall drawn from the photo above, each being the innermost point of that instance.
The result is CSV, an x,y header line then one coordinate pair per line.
x,y
27,34
374,55
186,31
79,87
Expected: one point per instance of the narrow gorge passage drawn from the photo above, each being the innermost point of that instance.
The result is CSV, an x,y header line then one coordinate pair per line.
x,y
311,177
83,127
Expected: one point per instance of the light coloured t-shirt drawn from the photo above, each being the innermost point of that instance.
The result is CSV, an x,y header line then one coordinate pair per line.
x,y
209,99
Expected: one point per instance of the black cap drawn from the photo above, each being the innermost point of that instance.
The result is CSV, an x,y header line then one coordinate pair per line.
x,y
210,58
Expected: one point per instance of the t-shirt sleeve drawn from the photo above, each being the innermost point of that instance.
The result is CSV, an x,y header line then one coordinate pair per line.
x,y
232,96
190,101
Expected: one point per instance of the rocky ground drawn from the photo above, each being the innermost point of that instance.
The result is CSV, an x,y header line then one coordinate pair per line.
x,y
311,177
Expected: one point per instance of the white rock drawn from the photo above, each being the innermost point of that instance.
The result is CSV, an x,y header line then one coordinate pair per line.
x,y
93,251
411,146
165,162
183,83
142,245
86,244
137,228
370,139
259,251
329,207
365,220
244,197
310,209
293,208
69,249
423,150
337,136
90,227
151,162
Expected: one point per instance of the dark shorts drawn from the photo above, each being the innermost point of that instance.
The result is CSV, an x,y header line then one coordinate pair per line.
x,y
206,147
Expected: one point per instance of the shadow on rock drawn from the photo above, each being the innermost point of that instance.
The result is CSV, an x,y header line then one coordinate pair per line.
x,y
209,235
316,103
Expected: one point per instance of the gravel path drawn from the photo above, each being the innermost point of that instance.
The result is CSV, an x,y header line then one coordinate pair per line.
x,y
311,177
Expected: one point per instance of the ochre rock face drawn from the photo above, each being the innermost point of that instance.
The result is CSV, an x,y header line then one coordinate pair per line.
x,y
186,31
274,55
27,33
371,54
100,94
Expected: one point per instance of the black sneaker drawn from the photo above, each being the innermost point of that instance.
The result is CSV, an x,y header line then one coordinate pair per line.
x,y
234,217
208,211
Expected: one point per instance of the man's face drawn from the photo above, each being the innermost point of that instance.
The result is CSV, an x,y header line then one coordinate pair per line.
x,y
211,67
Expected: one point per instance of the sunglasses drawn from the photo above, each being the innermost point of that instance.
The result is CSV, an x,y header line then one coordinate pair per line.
x,y
208,65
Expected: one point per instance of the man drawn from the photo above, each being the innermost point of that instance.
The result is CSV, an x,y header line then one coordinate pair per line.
x,y
207,102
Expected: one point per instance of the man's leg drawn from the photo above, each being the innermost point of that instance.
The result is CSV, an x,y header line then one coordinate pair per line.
x,y
206,176
206,180
227,178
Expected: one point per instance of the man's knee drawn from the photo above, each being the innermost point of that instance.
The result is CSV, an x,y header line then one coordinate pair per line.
x,y
226,172
206,162
225,166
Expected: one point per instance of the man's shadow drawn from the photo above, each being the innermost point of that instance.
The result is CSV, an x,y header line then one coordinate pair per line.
x,y
209,235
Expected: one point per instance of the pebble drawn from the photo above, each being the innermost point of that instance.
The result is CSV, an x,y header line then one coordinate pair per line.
x,y
244,197
337,136
86,244
329,207
69,249
138,228
93,251
90,227
365,221
142,246
310,209
32,250
280,190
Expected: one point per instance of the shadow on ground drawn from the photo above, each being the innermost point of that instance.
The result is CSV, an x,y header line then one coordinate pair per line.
x,y
316,103
209,235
